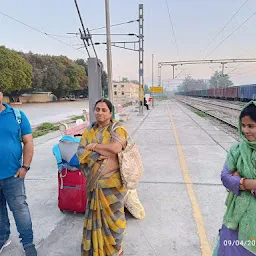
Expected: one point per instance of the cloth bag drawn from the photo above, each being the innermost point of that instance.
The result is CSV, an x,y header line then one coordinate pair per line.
x,y
134,206
131,167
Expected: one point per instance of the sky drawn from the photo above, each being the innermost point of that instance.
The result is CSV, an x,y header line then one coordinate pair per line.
x,y
195,25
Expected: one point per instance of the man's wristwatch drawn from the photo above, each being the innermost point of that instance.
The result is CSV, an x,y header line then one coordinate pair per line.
x,y
27,168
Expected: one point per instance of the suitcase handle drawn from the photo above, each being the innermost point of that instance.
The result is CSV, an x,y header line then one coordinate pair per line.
x,y
61,177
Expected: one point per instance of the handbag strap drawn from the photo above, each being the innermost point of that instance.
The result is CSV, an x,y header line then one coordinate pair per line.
x,y
114,127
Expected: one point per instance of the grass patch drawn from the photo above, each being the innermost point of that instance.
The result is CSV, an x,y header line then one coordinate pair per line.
x,y
78,117
43,129
200,113
45,126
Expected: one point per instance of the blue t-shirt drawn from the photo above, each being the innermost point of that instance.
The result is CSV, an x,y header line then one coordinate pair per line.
x,y
10,144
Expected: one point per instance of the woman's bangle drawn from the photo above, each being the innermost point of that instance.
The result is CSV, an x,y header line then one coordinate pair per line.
x,y
242,180
253,192
96,144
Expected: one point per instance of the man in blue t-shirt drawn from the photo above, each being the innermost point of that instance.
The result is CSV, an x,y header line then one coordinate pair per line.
x,y
15,161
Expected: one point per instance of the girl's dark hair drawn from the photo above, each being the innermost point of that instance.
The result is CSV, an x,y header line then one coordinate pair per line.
x,y
108,103
249,111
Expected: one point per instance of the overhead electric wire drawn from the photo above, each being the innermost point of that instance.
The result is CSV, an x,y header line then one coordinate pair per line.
x,y
230,34
170,18
82,23
225,25
115,25
212,69
92,44
85,46
180,73
35,29
174,35
69,37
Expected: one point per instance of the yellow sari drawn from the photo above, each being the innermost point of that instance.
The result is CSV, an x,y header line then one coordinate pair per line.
x,y
105,223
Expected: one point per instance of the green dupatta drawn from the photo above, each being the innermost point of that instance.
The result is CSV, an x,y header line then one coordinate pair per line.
x,y
241,210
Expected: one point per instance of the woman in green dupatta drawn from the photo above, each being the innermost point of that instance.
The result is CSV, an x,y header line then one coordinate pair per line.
x,y
238,233
105,222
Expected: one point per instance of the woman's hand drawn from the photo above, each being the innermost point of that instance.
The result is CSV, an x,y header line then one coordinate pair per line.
x,y
248,184
91,147
235,173
102,158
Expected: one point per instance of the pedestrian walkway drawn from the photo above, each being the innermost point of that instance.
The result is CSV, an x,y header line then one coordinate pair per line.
x,y
181,188
183,155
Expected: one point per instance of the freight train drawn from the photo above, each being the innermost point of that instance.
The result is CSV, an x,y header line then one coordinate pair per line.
x,y
240,93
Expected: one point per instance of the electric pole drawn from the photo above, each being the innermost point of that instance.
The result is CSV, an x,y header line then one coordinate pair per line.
x,y
141,59
109,54
223,67
152,80
159,74
152,70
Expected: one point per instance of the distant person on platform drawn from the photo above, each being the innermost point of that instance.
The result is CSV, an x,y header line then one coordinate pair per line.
x,y
15,129
146,103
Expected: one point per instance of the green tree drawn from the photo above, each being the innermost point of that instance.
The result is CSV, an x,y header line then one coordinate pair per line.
x,y
62,75
190,84
218,80
76,77
134,81
15,71
125,79
39,64
83,63
57,74
55,78
146,89
104,82
75,73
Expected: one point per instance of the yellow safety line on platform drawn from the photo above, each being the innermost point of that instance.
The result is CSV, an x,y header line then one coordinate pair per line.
x,y
198,217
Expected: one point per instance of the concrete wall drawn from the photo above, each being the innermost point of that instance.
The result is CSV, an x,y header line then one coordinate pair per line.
x,y
36,98
33,98
6,99
24,99
40,98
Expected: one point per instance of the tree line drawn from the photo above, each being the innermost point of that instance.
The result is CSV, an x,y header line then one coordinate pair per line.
x,y
218,80
27,72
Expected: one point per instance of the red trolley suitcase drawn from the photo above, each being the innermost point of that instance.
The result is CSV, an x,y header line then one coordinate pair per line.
x,y
72,191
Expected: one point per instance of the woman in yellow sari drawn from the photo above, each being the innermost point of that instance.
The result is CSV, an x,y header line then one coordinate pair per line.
x,y
105,222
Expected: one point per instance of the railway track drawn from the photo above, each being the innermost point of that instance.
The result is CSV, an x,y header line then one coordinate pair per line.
x,y
221,112
220,103
230,102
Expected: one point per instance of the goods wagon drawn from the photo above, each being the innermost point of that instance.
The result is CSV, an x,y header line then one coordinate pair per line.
x,y
242,93
231,93
247,92
211,93
219,93
198,93
204,93
192,93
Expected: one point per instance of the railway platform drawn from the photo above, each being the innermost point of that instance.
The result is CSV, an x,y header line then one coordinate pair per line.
x,y
183,155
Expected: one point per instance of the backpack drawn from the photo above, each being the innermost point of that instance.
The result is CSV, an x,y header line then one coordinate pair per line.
x,y
65,153
17,115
